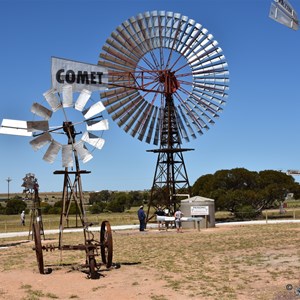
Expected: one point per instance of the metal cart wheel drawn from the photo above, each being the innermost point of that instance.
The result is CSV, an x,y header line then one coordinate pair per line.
x,y
106,244
38,247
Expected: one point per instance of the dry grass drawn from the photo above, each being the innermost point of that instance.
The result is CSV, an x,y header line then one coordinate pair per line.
x,y
221,264
246,262
11,223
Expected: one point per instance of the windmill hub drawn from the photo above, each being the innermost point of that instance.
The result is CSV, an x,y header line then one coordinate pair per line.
x,y
69,129
170,81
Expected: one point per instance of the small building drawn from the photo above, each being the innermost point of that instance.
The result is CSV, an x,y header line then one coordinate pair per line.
x,y
198,206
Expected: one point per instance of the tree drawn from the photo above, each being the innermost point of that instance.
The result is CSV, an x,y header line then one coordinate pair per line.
x,y
274,185
237,188
235,179
102,196
136,198
15,206
97,207
203,185
119,203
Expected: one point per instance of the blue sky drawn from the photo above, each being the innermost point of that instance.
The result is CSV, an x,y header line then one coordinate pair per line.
x,y
257,130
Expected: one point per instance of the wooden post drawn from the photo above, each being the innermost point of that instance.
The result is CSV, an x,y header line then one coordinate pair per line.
x,y
197,225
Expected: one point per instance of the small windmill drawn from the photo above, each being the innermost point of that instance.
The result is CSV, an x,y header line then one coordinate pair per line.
x,y
31,188
88,120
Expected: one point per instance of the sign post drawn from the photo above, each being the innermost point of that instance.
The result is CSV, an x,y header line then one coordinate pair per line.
x,y
200,210
79,75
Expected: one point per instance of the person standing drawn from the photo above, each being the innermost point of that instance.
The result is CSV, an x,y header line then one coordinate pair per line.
x,y
23,218
142,218
178,215
161,213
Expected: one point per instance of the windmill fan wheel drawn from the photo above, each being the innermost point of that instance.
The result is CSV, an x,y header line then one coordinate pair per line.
x,y
161,53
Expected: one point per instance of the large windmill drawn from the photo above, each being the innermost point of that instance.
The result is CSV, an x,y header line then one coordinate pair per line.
x,y
168,80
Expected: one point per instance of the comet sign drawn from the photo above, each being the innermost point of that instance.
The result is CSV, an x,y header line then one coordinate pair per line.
x,y
282,12
79,75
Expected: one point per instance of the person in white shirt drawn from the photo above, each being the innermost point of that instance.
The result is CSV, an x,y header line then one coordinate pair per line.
x,y
178,215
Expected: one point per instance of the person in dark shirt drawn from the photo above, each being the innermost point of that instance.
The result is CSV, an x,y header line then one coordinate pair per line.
x,y
142,218
160,212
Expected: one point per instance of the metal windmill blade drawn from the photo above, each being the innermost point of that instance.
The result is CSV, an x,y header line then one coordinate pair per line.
x,y
147,50
14,127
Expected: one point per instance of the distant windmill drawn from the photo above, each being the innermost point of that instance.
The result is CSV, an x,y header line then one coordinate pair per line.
x,y
282,12
293,172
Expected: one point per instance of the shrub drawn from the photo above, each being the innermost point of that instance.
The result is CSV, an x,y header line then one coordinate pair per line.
x,y
15,206
246,212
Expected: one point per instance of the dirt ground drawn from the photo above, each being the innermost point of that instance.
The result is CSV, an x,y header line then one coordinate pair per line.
x,y
125,282
130,281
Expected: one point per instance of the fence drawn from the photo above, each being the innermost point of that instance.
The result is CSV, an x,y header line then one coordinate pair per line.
x,y
13,223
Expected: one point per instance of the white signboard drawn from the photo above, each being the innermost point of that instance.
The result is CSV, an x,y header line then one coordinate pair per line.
x,y
199,210
282,12
79,75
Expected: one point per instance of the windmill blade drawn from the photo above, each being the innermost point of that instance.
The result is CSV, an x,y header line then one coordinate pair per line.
x,y
67,95
146,123
93,140
82,99
14,127
93,110
67,156
53,101
37,126
97,125
52,152
40,141
41,111
158,127
82,151
151,127
182,128
187,123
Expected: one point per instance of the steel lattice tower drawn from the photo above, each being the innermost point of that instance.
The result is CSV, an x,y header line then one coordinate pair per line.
x,y
170,175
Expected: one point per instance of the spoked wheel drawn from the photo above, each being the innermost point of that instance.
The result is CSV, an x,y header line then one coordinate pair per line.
x,y
38,247
106,244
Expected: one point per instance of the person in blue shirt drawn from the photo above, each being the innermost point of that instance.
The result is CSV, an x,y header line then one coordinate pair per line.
x,y
142,218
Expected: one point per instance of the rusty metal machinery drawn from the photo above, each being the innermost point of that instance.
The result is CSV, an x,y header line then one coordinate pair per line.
x,y
93,247
168,80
